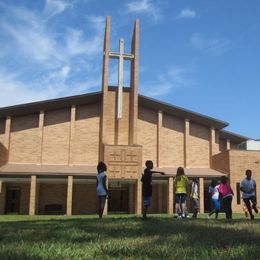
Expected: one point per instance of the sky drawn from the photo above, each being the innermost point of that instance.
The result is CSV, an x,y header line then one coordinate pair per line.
x,y
200,55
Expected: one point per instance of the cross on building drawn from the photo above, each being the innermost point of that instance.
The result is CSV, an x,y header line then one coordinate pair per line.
x,y
120,56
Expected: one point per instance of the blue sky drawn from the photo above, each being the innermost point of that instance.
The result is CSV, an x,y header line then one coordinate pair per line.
x,y
200,55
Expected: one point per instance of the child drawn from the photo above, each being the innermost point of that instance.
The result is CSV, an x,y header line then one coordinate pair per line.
x,y
213,190
227,194
102,191
248,187
180,182
195,197
147,188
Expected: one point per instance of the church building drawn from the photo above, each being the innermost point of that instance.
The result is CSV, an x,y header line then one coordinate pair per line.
x,y
49,150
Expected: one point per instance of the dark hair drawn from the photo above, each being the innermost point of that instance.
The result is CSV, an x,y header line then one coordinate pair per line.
x,y
248,171
223,179
213,183
180,171
148,163
101,167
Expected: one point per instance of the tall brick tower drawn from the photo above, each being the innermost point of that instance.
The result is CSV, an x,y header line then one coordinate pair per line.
x,y
118,131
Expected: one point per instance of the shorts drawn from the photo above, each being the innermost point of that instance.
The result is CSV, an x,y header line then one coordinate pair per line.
x,y
249,201
147,201
216,204
180,198
102,201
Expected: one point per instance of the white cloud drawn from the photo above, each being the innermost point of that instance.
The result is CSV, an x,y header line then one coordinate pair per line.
x,y
187,13
55,7
44,62
175,77
144,6
212,46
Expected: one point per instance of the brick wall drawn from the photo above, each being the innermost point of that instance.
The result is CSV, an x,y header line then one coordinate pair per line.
x,y
147,133
198,146
85,144
25,139
220,162
56,134
3,153
172,141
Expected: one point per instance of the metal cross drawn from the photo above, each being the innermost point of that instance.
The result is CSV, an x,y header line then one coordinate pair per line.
x,y
120,56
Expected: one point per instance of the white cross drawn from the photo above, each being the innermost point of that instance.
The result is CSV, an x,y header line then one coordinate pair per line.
x,y
121,56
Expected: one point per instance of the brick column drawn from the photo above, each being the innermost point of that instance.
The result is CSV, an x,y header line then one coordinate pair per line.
x,y
2,197
134,86
138,198
186,141
170,196
227,144
41,128
69,195
105,104
201,194
72,132
33,197
160,198
159,133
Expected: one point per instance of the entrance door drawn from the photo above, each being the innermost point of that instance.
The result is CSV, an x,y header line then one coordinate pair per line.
x,y
119,202
12,204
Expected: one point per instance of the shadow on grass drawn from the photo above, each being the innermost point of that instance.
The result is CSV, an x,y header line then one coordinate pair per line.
x,y
133,237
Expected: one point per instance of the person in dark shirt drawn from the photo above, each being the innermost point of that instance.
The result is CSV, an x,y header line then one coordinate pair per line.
x,y
147,188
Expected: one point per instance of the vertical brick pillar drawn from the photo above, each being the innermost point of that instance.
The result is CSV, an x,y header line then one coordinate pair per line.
x,y
134,85
33,196
138,197
211,144
2,197
170,196
41,128
159,133
105,104
201,194
160,198
72,132
186,141
69,195
227,144
7,134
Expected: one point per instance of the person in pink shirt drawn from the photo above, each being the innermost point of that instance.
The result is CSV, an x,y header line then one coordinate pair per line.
x,y
227,194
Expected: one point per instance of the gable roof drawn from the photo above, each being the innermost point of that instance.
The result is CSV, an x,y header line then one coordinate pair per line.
x,y
95,97
235,138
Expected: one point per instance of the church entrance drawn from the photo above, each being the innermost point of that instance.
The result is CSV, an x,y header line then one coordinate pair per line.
x,y
119,198
12,204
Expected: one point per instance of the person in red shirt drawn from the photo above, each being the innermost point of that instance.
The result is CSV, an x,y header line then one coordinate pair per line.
x,y
227,194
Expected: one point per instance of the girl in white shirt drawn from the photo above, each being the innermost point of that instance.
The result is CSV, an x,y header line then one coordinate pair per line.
x,y
214,192
102,191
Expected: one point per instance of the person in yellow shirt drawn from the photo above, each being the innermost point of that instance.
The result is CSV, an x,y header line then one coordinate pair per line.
x,y
180,183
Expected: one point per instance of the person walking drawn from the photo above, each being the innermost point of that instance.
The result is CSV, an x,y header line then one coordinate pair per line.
x,y
227,194
248,187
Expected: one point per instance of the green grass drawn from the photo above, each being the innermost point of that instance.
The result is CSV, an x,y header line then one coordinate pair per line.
x,y
128,237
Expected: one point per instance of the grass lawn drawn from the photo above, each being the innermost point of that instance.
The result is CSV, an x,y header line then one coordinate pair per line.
x,y
128,236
